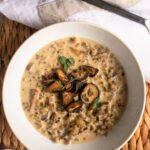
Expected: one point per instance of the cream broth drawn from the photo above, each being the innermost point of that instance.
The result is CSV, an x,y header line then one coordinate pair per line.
x,y
43,109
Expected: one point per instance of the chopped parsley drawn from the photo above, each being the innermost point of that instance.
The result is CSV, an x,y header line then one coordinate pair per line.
x,y
66,62
96,102
76,98
60,84
90,92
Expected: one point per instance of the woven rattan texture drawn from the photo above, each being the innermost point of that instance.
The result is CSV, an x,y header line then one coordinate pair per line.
x,y
12,34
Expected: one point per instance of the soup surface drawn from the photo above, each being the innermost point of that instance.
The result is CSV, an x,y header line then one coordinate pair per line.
x,y
73,90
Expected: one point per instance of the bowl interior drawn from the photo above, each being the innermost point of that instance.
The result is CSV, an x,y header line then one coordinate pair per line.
x,y
11,89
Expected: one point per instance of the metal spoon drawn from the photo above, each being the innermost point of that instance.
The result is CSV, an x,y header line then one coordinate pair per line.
x,y
121,12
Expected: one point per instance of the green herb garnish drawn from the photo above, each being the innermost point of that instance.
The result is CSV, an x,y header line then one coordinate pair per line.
x,y
60,84
62,60
71,60
90,92
96,102
66,62
65,67
76,98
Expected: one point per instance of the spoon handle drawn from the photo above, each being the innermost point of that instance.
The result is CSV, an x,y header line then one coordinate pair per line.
x,y
116,9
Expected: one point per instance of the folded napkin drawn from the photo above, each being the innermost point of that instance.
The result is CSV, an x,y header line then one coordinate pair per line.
x,y
40,13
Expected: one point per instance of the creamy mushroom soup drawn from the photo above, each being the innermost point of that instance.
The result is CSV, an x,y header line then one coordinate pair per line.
x,y
73,90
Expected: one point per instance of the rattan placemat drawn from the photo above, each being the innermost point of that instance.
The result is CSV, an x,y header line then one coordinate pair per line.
x,y
12,34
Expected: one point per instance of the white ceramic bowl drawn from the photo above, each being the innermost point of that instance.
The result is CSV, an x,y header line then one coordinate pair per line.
x,y
22,128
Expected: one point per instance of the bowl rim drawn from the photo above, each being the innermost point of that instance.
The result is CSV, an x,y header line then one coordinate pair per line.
x,y
83,23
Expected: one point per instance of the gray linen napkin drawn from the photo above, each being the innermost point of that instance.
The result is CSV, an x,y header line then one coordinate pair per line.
x,y
57,11
38,13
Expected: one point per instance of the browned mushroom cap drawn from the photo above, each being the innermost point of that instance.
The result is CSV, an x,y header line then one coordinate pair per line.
x,y
73,106
89,93
67,97
75,86
79,86
62,76
46,82
90,70
79,74
48,76
47,79
56,86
